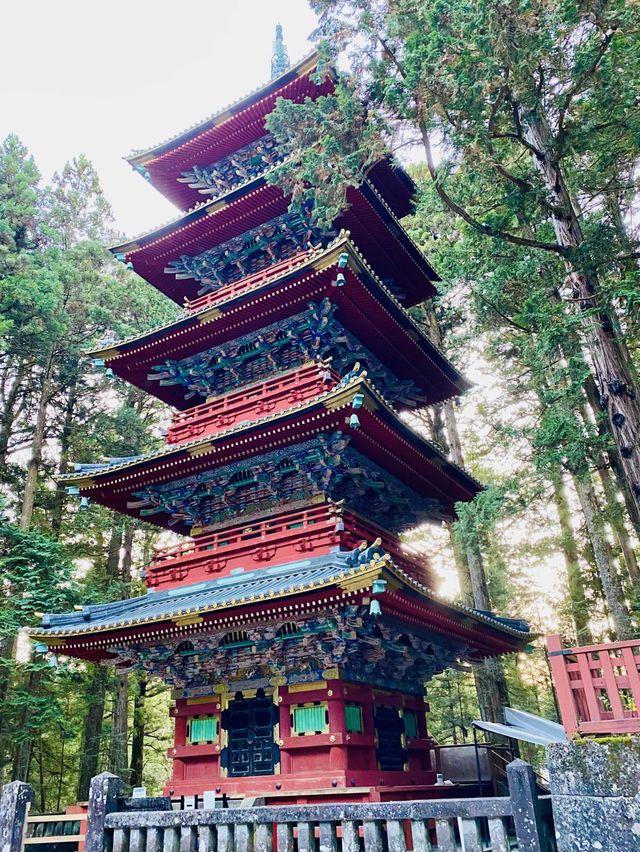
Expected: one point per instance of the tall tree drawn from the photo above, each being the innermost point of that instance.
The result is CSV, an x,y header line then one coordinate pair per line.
x,y
519,99
532,342
491,685
36,577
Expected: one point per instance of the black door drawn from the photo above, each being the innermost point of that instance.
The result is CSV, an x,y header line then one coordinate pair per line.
x,y
251,745
391,753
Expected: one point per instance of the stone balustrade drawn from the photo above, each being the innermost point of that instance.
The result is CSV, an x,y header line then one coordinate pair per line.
x,y
518,821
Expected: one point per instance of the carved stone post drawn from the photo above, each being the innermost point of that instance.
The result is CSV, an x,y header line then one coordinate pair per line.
x,y
103,796
14,806
530,828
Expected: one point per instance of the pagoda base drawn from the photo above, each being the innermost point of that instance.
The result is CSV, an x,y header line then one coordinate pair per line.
x,y
330,740
312,790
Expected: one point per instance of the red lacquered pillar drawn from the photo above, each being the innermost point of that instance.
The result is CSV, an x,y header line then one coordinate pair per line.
x,y
337,726
285,731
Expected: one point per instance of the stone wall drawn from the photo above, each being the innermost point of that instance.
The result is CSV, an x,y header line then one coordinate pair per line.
x,y
595,788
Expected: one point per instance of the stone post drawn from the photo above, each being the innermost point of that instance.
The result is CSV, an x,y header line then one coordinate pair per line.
x,y
530,828
14,806
103,797
595,790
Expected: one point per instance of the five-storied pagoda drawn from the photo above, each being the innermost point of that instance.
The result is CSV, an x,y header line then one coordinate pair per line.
x,y
296,631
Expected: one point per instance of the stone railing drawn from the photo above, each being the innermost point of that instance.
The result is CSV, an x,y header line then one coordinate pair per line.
x,y
518,821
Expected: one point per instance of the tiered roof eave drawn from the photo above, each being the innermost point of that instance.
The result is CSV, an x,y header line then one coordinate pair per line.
x,y
243,121
128,357
381,434
193,608
202,227
301,68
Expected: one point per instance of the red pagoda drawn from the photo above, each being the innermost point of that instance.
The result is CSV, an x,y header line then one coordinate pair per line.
x,y
295,629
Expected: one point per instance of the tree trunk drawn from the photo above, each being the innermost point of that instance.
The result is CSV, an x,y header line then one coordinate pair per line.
x,y
575,580
119,747
63,466
137,742
22,754
37,444
462,567
127,552
616,519
618,391
7,652
92,732
633,510
13,403
611,585
491,684
118,751
112,567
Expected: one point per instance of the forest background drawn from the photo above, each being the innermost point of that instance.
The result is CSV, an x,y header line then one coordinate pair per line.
x,y
520,123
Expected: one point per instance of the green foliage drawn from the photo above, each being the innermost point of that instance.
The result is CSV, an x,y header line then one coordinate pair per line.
x,y
60,292
329,145
36,577
453,705
19,203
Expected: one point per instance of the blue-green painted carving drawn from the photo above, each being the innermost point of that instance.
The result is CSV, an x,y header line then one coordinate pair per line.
x,y
297,473
316,333
254,250
240,167
365,650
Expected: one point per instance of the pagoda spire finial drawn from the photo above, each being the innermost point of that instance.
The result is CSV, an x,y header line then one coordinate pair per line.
x,y
279,57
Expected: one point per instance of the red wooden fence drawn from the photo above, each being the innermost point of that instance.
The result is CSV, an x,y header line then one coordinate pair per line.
x,y
598,686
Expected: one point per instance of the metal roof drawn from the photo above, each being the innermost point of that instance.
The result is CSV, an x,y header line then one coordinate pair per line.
x,y
526,727
247,587
209,595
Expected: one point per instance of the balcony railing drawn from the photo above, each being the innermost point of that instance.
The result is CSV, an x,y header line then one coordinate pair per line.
x,y
228,290
598,686
284,538
251,403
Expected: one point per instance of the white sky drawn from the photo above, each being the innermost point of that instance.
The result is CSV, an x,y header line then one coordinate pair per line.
x,y
104,78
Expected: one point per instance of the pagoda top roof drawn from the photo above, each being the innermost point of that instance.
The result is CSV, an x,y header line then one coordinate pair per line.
x,y
379,433
256,104
242,123
260,587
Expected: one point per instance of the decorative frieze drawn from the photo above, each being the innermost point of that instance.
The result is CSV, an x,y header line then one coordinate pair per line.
x,y
252,251
230,172
365,650
315,333
299,472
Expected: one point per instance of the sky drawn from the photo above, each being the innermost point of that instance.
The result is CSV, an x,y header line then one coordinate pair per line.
x,y
102,79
